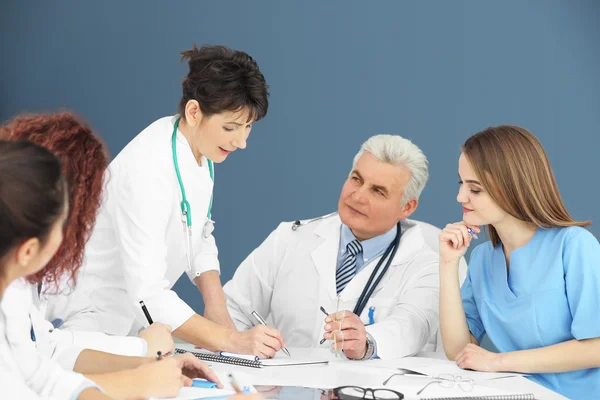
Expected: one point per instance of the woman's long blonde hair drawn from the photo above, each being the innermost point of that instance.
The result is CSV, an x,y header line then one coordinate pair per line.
x,y
514,169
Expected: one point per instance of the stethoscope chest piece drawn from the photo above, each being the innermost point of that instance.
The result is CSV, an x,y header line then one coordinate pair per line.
x,y
209,227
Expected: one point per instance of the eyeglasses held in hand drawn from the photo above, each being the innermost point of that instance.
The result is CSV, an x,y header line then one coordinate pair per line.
x,y
448,381
357,393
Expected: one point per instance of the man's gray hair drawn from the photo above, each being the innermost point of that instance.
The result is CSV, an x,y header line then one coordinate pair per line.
x,y
396,150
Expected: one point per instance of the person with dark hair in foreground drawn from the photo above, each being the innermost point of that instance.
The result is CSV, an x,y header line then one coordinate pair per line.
x,y
35,208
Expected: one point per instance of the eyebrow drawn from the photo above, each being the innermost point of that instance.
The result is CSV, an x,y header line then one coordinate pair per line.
x,y
379,187
470,181
237,123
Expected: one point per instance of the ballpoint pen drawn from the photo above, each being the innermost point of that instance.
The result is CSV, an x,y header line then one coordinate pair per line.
x,y
337,311
146,313
261,321
327,314
472,233
234,383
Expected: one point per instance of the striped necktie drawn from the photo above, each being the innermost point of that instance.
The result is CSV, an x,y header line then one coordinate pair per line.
x,y
348,269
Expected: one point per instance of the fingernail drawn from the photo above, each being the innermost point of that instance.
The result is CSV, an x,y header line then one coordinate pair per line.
x,y
328,319
327,327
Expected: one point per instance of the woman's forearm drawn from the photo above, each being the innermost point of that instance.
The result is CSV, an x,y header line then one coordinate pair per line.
x,y
99,362
122,385
92,394
567,356
453,322
204,333
215,302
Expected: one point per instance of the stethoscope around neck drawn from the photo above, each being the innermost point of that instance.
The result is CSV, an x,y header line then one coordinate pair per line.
x,y
374,279
186,208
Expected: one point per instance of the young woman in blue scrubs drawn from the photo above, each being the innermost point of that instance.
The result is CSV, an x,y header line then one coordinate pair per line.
x,y
534,287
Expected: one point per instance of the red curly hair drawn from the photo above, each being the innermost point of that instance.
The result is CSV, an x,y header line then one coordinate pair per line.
x,y
84,159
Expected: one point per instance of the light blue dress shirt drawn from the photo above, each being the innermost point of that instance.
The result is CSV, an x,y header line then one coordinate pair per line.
x,y
372,248
551,295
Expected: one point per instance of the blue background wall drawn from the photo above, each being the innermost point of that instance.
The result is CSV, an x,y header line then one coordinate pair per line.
x,y
340,71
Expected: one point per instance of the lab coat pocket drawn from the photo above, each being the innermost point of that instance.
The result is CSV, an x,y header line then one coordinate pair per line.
x,y
377,309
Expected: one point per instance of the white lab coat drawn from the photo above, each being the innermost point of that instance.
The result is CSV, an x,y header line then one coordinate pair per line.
x,y
63,345
292,273
137,250
11,382
42,376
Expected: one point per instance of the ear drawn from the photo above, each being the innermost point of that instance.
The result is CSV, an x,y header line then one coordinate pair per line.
x,y
408,208
193,113
27,252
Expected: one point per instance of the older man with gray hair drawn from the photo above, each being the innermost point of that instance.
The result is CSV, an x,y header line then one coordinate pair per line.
x,y
363,280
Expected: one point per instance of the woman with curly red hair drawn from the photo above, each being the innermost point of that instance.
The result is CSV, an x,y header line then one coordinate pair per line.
x,y
84,160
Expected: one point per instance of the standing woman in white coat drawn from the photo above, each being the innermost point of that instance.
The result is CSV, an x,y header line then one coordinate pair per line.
x,y
155,221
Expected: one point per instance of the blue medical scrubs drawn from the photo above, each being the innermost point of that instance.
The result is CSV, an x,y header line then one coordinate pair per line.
x,y
551,295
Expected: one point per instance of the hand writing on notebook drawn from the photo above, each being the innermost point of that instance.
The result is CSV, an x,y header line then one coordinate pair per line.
x,y
261,341
353,340
158,336
478,359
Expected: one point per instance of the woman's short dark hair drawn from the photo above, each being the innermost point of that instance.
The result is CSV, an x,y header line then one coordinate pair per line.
x,y
222,79
32,193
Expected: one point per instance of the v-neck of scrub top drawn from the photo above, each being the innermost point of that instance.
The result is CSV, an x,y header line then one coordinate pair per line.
x,y
512,282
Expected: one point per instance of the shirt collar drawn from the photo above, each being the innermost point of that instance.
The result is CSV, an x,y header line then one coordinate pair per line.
x,y
371,247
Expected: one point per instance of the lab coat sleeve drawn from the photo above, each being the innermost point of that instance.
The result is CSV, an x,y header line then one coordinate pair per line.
x,y
415,317
65,346
251,287
581,261
73,307
42,375
142,209
206,255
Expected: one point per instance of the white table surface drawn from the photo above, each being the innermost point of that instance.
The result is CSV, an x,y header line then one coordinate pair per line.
x,y
335,374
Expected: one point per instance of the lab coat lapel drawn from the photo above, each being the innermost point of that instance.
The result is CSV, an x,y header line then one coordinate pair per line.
x,y
325,254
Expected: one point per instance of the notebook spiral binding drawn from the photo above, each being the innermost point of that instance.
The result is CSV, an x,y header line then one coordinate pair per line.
x,y
527,396
221,359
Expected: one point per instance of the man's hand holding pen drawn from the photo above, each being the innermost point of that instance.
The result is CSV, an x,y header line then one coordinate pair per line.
x,y
348,332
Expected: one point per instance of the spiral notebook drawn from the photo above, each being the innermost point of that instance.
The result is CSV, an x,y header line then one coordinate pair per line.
x,y
211,357
299,357
527,396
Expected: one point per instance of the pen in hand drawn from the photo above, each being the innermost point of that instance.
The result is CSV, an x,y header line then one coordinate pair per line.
x,y
236,386
261,321
146,313
327,314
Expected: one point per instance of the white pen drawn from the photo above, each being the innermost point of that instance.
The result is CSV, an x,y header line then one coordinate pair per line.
x,y
261,321
236,355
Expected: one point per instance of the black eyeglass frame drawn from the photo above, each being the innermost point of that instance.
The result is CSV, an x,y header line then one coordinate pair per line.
x,y
336,392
